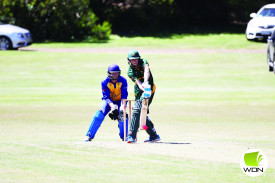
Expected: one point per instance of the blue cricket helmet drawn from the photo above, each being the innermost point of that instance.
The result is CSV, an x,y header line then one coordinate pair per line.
x,y
113,69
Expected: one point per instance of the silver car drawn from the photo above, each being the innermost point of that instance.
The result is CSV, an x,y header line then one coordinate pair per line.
x,y
13,37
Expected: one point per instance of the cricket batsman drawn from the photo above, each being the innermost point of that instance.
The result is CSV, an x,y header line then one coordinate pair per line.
x,y
114,91
139,72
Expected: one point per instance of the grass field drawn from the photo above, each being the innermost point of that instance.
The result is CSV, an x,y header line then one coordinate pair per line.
x,y
215,99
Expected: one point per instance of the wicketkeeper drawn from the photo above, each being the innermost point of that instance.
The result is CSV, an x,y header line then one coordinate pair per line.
x,y
140,74
114,91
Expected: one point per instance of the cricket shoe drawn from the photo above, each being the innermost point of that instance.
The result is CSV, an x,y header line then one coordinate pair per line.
x,y
87,139
130,139
153,139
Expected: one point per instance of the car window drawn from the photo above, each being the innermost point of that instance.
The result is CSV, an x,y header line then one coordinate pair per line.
x,y
267,12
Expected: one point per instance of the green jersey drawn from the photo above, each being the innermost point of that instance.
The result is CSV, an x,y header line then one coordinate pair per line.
x,y
137,73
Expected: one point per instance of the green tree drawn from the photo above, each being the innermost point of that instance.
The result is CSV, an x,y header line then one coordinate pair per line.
x,y
65,20
134,16
156,16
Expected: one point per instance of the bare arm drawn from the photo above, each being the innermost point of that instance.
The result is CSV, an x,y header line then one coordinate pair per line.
x,y
122,104
146,78
139,85
111,104
146,73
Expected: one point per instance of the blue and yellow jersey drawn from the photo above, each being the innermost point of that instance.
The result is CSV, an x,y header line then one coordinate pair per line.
x,y
114,91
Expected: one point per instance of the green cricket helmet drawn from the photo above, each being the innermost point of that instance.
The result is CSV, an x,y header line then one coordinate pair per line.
x,y
132,55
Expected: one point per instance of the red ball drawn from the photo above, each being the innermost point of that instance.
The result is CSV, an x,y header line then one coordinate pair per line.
x,y
145,127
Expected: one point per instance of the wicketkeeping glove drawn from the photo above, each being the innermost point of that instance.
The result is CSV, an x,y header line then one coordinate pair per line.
x,y
114,112
121,115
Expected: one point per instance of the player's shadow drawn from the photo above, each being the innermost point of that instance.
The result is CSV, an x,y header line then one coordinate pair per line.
x,y
174,143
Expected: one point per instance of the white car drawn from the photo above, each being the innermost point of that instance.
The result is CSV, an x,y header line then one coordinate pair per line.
x,y
262,23
13,37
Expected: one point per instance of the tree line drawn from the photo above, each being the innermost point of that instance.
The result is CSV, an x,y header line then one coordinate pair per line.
x,y
78,20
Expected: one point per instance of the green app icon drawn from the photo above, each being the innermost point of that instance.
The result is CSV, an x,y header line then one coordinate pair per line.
x,y
252,159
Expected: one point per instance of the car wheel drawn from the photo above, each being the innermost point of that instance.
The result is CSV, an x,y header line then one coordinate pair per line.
x,y
5,43
270,68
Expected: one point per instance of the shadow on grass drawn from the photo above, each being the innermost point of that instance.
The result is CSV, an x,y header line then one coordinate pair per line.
x,y
165,34
168,32
187,30
28,50
75,42
175,143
